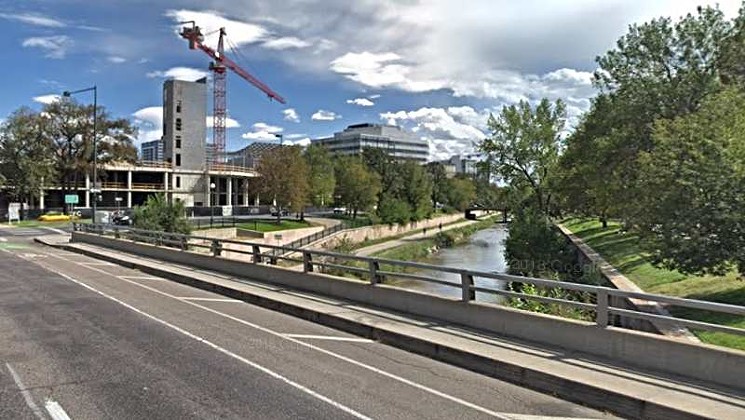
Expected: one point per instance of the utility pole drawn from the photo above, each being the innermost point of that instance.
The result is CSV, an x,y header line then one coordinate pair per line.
x,y
95,190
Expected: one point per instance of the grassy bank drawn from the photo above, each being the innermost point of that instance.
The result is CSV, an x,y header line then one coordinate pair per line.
x,y
623,252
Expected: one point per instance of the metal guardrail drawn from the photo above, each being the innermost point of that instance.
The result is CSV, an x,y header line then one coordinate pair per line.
x,y
376,270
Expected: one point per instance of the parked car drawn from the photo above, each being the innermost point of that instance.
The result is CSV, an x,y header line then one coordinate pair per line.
x,y
122,218
340,210
283,212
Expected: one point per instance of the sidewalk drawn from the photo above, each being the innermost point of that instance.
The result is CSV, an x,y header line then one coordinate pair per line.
x,y
431,232
576,377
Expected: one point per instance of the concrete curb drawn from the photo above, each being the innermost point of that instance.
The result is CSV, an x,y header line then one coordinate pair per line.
x,y
568,388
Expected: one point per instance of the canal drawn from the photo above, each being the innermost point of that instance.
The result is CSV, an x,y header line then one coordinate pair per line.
x,y
483,252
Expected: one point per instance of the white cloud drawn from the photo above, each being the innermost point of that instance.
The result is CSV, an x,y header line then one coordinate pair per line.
x,y
46,99
375,96
449,131
55,46
239,32
305,141
295,136
34,19
263,131
285,43
180,73
380,71
116,59
229,122
322,115
361,102
149,122
291,115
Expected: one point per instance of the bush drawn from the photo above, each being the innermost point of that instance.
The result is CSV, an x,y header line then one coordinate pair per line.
x,y
159,215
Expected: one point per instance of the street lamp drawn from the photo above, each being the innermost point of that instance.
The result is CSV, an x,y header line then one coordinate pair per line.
x,y
281,137
94,190
212,202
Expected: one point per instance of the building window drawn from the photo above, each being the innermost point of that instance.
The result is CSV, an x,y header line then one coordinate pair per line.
x,y
178,142
178,159
178,182
178,124
178,106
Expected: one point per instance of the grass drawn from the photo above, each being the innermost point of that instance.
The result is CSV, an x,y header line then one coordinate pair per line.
x,y
37,223
622,250
272,226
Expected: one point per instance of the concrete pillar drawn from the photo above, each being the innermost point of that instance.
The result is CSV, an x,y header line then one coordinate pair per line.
x,y
129,180
129,199
245,192
87,190
41,195
165,181
230,192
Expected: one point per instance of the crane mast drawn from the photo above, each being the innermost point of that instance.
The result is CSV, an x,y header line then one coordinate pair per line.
x,y
219,67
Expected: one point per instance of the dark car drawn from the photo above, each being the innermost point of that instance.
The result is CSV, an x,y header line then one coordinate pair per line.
x,y
122,218
283,212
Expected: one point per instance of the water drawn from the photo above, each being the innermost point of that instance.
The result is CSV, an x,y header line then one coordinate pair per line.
x,y
483,252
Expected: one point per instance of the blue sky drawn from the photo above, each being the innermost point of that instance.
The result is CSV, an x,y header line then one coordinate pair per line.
x,y
436,67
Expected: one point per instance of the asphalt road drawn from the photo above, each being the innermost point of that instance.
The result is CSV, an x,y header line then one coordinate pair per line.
x,y
95,340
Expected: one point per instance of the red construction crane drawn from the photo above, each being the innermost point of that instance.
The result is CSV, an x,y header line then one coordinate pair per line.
x,y
194,35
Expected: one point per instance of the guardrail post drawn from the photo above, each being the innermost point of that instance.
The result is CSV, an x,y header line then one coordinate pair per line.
x,y
374,268
116,233
466,282
216,248
256,253
184,243
601,308
307,262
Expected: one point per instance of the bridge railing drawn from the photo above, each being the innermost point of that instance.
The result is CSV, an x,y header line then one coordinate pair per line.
x,y
597,300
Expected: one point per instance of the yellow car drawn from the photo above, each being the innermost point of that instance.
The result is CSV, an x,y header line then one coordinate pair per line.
x,y
54,217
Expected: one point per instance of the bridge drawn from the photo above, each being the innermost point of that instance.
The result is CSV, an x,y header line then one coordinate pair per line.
x,y
354,346
470,212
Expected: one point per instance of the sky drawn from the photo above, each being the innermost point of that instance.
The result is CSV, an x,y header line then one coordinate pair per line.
x,y
435,67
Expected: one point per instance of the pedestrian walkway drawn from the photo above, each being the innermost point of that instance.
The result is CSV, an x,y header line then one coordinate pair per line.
x,y
426,233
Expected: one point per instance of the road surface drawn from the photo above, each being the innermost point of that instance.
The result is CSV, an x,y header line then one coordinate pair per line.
x,y
87,339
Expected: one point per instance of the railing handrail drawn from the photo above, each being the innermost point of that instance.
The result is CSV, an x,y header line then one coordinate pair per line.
x,y
602,306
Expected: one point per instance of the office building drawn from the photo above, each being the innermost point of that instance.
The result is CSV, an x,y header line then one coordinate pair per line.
x,y
397,142
152,151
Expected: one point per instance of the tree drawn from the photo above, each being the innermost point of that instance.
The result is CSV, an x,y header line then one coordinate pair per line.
x,y
357,186
693,189
417,190
284,176
461,193
658,70
322,179
26,155
392,210
524,147
69,128
159,215
439,179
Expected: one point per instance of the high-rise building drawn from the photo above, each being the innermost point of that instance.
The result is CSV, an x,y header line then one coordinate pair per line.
x,y
397,142
152,151
463,165
184,123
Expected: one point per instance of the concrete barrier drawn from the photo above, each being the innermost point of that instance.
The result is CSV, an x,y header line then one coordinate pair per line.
x,y
708,363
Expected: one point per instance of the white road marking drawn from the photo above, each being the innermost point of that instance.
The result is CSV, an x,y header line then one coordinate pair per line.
x,y
56,412
95,263
3,239
142,278
205,299
55,230
304,344
26,395
330,338
216,347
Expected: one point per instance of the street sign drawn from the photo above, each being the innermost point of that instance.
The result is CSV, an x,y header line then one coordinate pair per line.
x,y
71,199
277,236
118,199
14,212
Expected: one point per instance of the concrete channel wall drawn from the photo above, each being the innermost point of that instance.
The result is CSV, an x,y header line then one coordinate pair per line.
x,y
653,353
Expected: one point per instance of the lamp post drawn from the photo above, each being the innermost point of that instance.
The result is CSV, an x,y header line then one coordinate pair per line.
x,y
212,203
281,137
94,190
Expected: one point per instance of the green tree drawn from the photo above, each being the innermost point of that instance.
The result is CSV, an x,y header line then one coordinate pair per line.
x,y
524,147
417,190
158,214
357,186
69,127
534,248
322,179
658,70
460,193
26,155
392,210
285,177
439,179
693,189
